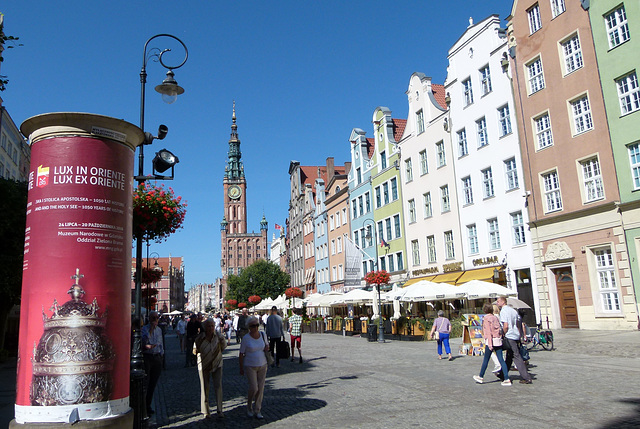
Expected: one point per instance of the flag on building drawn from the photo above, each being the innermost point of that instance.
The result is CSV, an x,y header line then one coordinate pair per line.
x,y
277,226
383,243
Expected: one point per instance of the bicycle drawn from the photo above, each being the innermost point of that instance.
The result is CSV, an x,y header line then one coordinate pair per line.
x,y
538,336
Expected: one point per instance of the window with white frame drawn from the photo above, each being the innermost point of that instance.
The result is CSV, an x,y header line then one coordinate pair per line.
x,y
420,121
572,53
412,210
396,225
360,205
408,170
467,91
592,180
552,196
462,143
424,167
381,232
536,77
472,236
367,202
426,198
394,189
557,7
383,159
331,223
634,161
378,198
431,249
481,127
358,175
334,273
344,216
517,228
628,93
511,174
504,119
467,190
581,111
535,23
494,233
333,247
440,154
450,251
399,261
485,79
391,263
605,270
544,137
415,252
617,27
339,245
444,198
487,183
385,192
387,223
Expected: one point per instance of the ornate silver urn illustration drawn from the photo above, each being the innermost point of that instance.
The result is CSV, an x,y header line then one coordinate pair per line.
x,y
73,360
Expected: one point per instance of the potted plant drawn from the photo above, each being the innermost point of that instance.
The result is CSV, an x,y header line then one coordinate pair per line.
x,y
337,324
157,212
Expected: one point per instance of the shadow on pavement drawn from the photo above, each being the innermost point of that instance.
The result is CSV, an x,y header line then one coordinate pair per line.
x,y
630,421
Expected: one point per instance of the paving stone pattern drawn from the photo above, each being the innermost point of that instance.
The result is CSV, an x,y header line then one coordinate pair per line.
x,y
589,381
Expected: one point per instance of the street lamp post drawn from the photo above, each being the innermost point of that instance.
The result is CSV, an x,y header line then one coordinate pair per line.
x,y
156,267
169,90
369,236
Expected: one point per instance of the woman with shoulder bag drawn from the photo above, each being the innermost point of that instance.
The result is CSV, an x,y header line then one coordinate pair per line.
x,y
493,344
253,363
441,329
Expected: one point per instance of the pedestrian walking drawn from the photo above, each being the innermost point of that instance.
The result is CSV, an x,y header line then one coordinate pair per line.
x,y
512,339
194,327
295,329
242,328
208,347
152,353
275,332
228,326
236,318
181,327
493,345
253,364
441,330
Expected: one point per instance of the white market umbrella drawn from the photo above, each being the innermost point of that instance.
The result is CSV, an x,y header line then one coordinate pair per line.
x,y
478,289
311,300
355,296
425,290
174,313
265,304
517,303
393,296
374,304
323,299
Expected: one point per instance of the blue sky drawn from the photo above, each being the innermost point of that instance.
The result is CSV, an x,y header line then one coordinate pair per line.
x,y
302,73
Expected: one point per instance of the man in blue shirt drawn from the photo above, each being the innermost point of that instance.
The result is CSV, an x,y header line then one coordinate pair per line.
x,y
511,326
274,330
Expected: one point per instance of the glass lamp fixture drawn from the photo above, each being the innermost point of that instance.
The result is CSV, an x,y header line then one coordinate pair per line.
x,y
169,88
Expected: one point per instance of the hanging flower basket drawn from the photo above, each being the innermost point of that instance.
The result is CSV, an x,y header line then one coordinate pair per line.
x,y
150,276
232,303
242,305
254,299
157,212
293,292
380,277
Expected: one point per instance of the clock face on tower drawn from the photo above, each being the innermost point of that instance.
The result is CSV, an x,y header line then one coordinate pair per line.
x,y
234,192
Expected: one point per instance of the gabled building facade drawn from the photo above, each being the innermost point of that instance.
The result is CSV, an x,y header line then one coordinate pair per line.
x,y
337,209
616,34
578,241
488,165
387,194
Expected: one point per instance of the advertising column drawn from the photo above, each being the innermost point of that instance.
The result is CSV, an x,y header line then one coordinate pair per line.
x,y
75,314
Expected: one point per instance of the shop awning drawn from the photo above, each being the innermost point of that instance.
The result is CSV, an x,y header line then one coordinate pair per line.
x,y
478,274
417,279
448,277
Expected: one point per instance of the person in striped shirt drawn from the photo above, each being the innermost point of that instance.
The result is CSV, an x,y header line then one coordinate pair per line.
x,y
295,329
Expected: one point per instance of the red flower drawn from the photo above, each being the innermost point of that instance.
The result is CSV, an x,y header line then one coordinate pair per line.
x,y
293,292
254,299
157,212
242,305
377,277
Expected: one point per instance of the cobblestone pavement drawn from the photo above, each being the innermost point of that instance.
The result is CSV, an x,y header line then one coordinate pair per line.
x,y
589,381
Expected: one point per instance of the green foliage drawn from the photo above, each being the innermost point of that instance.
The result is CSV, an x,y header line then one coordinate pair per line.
x,y
3,39
456,327
262,278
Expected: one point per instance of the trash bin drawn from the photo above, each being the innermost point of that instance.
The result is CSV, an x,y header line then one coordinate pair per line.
x,y
372,332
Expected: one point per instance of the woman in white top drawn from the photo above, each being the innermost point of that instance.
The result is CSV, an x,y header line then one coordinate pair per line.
x,y
253,363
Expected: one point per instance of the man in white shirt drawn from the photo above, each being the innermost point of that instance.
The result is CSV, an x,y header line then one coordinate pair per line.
x,y
510,324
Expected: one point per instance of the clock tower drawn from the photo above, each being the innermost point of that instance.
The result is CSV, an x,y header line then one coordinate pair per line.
x,y
239,247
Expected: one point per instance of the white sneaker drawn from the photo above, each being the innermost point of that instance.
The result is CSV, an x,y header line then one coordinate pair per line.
x,y
478,379
259,416
497,369
506,383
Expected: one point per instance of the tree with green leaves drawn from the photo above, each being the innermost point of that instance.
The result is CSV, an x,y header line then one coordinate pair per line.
x,y
3,40
13,206
262,278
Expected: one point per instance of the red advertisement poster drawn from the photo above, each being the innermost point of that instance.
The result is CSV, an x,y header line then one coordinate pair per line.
x,y
74,349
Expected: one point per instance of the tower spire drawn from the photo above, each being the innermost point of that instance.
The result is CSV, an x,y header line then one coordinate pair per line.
x,y
234,169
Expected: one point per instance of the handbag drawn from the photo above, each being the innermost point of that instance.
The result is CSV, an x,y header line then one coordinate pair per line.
x,y
282,349
267,354
497,342
524,352
436,335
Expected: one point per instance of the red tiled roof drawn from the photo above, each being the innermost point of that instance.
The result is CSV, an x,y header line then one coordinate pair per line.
x,y
309,173
398,128
439,94
371,146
